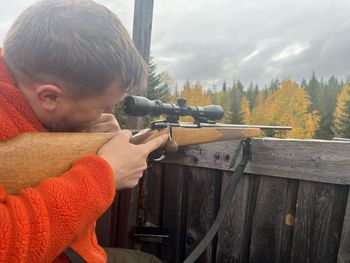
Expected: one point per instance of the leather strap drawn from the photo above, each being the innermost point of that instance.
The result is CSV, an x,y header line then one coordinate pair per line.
x,y
229,192
73,256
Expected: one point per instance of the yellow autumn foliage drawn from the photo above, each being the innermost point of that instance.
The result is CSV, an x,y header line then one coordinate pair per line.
x,y
286,106
195,96
341,126
245,109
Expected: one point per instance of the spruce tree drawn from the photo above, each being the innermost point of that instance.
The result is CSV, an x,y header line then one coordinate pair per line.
x,y
313,88
328,101
274,85
236,94
157,88
251,94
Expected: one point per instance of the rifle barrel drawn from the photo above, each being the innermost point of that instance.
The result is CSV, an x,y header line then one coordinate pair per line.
x,y
263,127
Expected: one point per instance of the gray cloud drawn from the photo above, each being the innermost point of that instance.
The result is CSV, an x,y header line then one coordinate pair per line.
x,y
254,40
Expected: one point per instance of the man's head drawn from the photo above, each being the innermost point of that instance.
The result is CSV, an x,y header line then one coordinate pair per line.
x,y
65,52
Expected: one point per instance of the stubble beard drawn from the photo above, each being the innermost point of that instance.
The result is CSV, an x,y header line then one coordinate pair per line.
x,y
64,126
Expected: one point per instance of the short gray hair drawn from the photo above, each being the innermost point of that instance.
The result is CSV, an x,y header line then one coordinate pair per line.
x,y
79,44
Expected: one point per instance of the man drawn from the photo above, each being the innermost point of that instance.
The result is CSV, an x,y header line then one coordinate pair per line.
x,y
65,64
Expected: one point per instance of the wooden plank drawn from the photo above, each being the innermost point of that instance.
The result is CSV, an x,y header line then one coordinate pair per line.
x,y
268,232
153,204
114,222
289,220
312,160
174,213
142,29
216,155
234,234
103,228
344,247
126,217
318,222
202,205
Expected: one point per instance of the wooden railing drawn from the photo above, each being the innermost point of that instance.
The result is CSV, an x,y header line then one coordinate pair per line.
x,y
290,206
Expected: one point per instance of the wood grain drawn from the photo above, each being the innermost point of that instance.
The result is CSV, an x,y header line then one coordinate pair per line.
x,y
269,218
174,213
344,246
235,233
29,158
318,222
153,203
203,198
311,160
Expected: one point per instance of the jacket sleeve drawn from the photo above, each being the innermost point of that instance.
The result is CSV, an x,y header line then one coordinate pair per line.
x,y
39,223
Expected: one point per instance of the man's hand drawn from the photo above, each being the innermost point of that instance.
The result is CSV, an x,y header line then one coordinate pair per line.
x,y
105,123
128,160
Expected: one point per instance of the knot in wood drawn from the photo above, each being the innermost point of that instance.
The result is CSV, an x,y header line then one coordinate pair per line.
x,y
317,161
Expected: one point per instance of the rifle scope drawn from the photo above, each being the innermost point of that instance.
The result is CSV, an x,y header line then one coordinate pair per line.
x,y
141,106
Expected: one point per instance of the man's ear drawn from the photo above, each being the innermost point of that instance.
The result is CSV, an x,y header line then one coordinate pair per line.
x,y
48,96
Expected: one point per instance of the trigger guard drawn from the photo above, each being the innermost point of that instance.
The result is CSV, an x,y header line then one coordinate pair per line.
x,y
161,158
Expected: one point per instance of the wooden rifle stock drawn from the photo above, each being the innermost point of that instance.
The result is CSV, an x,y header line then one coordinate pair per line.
x,y
31,157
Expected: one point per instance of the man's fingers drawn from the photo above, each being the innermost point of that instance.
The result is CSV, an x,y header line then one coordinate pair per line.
x,y
127,133
156,143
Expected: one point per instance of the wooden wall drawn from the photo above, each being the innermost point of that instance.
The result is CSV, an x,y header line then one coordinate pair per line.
x,y
290,206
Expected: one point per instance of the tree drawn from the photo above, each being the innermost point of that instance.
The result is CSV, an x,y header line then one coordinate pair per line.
x,y
251,94
287,106
158,84
224,99
245,109
157,88
236,94
303,84
238,85
341,126
261,111
328,101
274,85
195,96
313,89
224,87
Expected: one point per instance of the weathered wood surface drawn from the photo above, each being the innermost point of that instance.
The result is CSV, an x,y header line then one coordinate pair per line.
x,y
269,220
282,214
203,192
311,160
174,216
238,221
344,247
154,182
318,223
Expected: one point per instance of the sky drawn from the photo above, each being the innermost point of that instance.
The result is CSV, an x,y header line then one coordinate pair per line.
x,y
252,40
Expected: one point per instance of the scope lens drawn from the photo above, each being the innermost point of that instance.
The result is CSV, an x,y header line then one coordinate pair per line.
x,y
129,105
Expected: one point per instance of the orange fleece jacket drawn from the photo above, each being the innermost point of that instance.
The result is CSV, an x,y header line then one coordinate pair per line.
x,y
39,223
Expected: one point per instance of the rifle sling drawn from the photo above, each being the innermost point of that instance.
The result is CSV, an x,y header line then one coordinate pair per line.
x,y
73,256
229,192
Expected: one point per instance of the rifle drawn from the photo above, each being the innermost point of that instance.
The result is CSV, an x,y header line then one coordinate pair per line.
x,y
31,157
